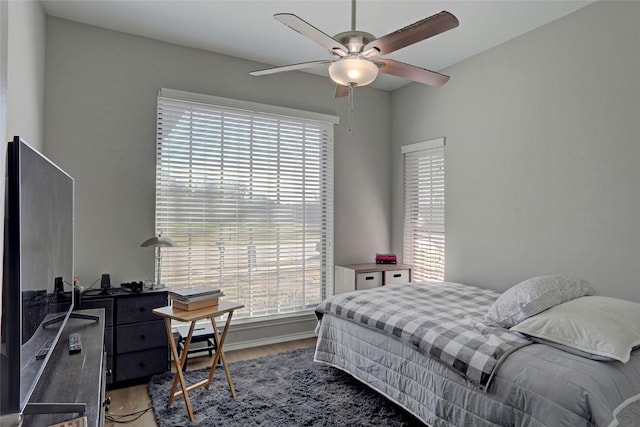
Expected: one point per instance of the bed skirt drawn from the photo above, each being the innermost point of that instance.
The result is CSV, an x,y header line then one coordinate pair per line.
x,y
536,386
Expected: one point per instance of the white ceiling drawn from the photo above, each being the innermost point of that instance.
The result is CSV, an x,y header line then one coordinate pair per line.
x,y
247,29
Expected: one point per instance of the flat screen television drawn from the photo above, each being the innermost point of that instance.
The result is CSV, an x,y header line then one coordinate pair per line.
x,y
37,262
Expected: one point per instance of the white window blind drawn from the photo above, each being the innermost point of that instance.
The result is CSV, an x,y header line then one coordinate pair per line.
x,y
424,202
247,194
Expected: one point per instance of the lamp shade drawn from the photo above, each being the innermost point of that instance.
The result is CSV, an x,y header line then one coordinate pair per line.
x,y
353,71
158,242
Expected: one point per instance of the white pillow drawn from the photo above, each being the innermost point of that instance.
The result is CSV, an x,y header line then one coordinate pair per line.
x,y
534,296
602,327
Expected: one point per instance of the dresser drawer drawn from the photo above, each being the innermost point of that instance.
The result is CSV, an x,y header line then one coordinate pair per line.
x,y
141,364
108,341
134,309
141,336
368,280
396,276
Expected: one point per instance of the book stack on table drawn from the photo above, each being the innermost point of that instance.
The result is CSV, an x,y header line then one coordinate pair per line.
x,y
194,298
386,259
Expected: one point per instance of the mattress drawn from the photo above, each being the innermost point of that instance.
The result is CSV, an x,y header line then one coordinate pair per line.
x,y
441,319
536,385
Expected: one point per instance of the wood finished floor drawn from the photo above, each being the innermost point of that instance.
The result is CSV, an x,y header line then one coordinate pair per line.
x,y
130,400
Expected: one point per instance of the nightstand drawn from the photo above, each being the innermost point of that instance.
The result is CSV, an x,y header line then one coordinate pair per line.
x,y
366,276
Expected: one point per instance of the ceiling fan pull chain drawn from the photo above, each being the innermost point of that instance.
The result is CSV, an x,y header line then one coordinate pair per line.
x,y
350,110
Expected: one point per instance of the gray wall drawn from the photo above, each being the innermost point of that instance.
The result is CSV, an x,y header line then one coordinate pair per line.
x,y
100,125
22,29
542,155
542,149
100,107
25,73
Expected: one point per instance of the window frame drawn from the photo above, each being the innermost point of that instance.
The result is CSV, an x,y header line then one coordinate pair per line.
x,y
324,122
424,208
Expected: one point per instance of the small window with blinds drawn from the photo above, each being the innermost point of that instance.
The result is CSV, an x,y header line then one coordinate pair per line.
x,y
424,203
246,191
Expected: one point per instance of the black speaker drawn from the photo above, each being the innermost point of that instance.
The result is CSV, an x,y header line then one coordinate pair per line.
x,y
105,283
77,298
58,285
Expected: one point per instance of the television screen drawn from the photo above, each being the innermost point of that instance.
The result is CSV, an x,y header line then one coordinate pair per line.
x,y
38,252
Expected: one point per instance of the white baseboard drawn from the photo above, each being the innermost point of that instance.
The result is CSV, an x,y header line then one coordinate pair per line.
x,y
270,330
268,341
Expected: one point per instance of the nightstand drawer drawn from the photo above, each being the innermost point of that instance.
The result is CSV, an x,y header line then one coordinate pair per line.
x,y
352,277
396,276
368,280
141,336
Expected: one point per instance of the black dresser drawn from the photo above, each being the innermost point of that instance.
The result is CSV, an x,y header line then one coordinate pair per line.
x,y
135,339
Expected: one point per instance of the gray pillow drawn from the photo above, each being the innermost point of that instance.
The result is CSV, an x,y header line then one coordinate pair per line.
x,y
600,328
533,296
568,349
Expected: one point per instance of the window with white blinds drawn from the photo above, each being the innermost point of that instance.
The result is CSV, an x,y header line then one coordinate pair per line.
x,y
424,203
246,191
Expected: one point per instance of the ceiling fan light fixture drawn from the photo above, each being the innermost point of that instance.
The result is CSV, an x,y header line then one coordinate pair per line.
x,y
353,71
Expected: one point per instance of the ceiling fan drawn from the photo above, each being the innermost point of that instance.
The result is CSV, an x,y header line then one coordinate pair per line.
x,y
356,53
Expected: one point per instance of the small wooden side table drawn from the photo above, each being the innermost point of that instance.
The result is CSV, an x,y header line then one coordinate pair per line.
x,y
169,313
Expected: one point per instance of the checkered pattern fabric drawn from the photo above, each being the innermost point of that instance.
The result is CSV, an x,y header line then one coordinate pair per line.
x,y
441,319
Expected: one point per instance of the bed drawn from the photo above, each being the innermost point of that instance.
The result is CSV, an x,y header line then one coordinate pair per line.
x,y
458,355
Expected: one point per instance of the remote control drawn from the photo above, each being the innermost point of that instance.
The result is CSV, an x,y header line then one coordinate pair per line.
x,y
75,344
44,349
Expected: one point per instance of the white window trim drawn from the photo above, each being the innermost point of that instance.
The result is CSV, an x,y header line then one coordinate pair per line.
x,y
258,109
246,105
424,145
436,228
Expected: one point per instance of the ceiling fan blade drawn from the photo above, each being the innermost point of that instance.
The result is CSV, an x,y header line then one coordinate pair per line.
x,y
411,34
411,72
291,67
342,91
308,30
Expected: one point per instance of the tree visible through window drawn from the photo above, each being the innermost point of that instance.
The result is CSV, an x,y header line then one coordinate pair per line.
x,y
424,209
248,197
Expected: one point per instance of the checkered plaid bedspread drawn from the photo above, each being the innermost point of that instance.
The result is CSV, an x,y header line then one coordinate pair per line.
x,y
441,319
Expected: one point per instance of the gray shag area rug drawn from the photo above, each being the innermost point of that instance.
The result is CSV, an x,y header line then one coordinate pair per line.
x,y
285,389
289,389
630,415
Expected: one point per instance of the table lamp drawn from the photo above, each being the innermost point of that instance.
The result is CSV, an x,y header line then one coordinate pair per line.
x,y
158,242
